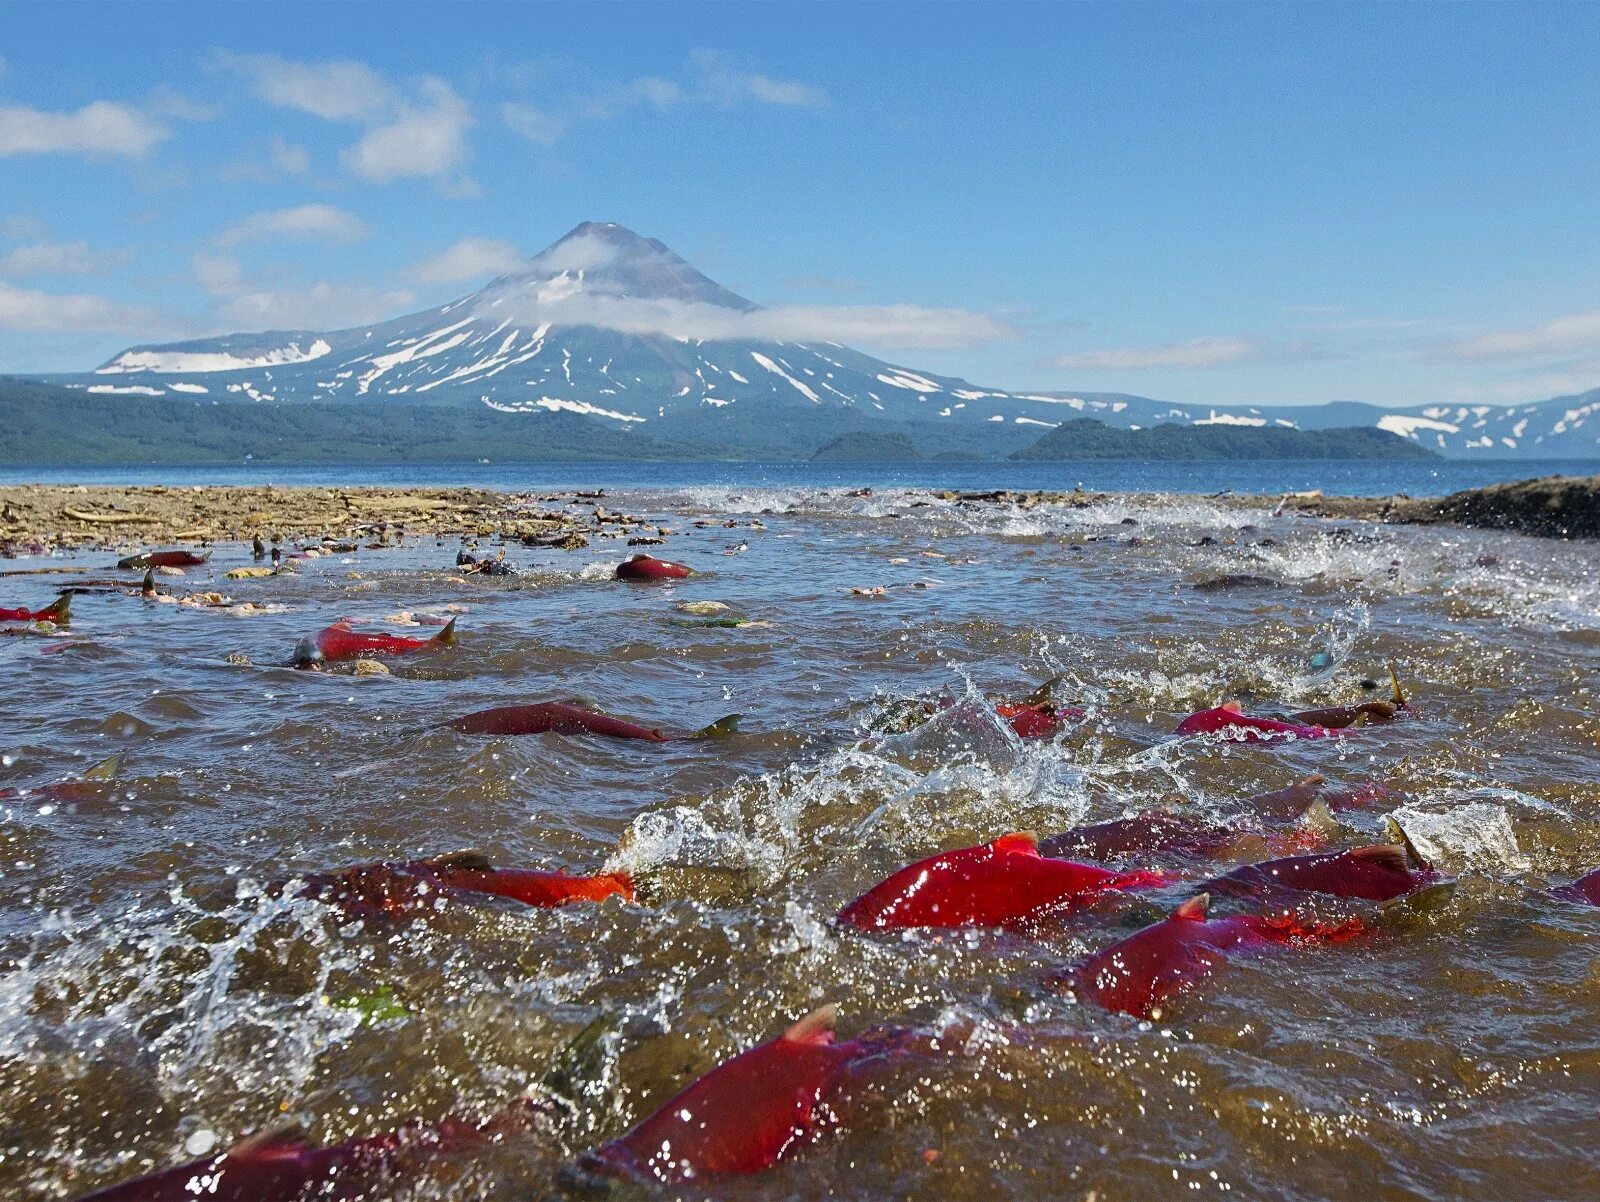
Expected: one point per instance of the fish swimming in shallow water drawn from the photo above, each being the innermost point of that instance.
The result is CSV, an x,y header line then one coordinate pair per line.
x,y
1585,889
164,559
399,888
567,718
1367,713
1147,833
339,643
1137,975
748,1113
1230,721
1039,715
648,567
280,1165
91,783
992,885
58,611
1379,872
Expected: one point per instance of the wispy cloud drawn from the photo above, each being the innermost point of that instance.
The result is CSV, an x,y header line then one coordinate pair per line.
x,y
61,258
242,303
468,259
710,78
412,133
335,90
890,327
1564,335
102,128
313,222
1196,353
283,158
29,310
424,140
23,225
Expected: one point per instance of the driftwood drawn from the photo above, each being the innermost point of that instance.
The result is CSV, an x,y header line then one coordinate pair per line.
x,y
108,519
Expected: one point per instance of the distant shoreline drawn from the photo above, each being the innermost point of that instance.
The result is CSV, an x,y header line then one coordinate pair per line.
x,y
59,516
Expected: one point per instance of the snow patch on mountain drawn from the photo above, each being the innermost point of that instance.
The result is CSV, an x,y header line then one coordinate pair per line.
x,y
174,361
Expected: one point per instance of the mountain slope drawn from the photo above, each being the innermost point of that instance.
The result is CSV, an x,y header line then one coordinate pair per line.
x,y
609,325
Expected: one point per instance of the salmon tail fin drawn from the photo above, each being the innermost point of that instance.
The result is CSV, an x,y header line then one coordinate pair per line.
x,y
1318,818
1045,694
1394,680
721,728
1390,856
622,882
467,858
580,1067
814,1028
1196,908
106,769
1398,834
1142,878
59,610
447,636
1025,842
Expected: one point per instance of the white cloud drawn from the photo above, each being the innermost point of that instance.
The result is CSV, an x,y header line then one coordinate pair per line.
x,y
1577,332
337,90
23,225
536,125
245,304
712,78
1197,352
61,258
101,128
468,259
720,78
51,312
314,222
887,326
423,141
288,157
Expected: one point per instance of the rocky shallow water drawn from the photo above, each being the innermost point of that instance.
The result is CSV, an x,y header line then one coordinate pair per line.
x,y
155,999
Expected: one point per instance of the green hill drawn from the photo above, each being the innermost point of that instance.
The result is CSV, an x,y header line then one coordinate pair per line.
x,y
1085,438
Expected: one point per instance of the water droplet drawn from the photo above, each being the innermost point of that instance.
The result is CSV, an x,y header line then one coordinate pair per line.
x,y
200,1142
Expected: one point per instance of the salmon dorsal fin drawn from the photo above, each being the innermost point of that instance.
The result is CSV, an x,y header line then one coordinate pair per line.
x,y
724,726
1195,908
1394,679
1232,707
1390,856
814,1028
1398,834
447,636
1315,781
1020,842
286,1134
1045,694
469,857
106,769
1318,818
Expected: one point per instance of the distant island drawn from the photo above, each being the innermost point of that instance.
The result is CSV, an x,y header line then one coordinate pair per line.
x,y
1085,438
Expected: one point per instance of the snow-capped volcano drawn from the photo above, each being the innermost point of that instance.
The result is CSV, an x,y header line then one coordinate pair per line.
x,y
617,327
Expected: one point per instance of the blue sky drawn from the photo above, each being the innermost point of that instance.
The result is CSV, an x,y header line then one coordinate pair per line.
x,y
1210,203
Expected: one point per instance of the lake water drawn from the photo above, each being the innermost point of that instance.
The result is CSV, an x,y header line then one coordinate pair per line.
x,y
155,1000
1344,477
